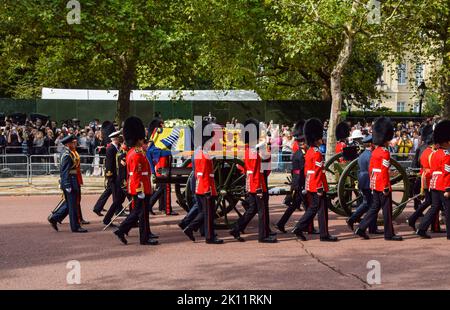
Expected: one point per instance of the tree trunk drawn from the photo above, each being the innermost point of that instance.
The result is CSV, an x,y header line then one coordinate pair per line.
x,y
445,82
127,82
336,82
336,92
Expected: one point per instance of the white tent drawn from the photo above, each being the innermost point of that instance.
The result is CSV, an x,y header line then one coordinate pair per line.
x,y
151,95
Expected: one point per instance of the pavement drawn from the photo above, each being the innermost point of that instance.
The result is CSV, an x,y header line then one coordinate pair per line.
x,y
34,256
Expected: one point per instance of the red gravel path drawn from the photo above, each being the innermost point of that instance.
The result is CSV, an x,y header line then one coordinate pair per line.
x,y
33,256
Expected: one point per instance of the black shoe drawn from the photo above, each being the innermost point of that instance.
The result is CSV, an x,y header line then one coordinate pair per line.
x,y
361,233
299,235
80,230
268,240
411,224
314,232
182,225
236,235
53,223
273,234
172,213
214,241
329,238
350,224
83,222
281,228
153,236
121,236
188,232
423,234
150,242
99,213
394,238
377,232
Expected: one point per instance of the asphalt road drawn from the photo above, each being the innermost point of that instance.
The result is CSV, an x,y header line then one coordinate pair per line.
x,y
34,256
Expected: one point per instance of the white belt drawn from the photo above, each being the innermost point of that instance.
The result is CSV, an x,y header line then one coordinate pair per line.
x,y
145,173
437,172
131,173
376,170
199,173
310,172
249,172
211,175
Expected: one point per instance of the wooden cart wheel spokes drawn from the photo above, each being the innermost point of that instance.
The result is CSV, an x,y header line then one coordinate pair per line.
x,y
349,196
334,169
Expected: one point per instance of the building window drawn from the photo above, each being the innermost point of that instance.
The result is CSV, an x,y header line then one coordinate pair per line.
x,y
401,74
416,107
419,73
401,106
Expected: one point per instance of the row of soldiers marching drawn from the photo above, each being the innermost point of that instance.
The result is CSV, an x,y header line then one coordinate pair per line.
x,y
132,176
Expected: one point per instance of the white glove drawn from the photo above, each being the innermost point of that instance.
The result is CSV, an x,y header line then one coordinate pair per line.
x,y
141,195
68,189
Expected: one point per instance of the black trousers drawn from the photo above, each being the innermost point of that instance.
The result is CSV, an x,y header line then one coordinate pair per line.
x,y
437,202
118,197
316,205
100,204
380,201
139,213
255,205
294,204
204,216
363,208
435,227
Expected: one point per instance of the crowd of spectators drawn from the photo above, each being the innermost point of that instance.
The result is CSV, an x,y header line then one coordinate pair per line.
x,y
42,136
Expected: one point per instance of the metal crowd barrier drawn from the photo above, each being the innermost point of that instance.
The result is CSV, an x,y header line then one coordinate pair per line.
x,y
14,166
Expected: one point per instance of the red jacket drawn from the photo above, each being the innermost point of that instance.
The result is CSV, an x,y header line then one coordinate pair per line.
x,y
254,176
315,177
425,170
339,149
138,171
204,174
164,162
379,169
440,171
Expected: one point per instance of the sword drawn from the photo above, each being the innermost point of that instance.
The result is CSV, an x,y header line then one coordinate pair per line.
x,y
404,203
117,215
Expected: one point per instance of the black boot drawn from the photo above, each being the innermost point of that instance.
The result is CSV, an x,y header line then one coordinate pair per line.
x,y
236,235
121,236
53,223
189,232
329,238
423,234
361,233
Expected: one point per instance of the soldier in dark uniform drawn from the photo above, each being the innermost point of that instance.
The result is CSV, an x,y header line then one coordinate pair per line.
x,y
297,174
107,129
112,177
70,184
138,183
364,188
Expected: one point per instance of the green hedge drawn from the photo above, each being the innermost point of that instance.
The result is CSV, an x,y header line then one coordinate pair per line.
x,y
372,114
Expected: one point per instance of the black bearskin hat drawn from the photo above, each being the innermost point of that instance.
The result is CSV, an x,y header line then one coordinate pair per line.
x,y
155,123
107,129
133,130
342,131
427,134
298,130
313,131
442,132
382,131
249,137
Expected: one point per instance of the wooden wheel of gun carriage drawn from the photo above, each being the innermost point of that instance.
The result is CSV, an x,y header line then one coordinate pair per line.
x,y
343,183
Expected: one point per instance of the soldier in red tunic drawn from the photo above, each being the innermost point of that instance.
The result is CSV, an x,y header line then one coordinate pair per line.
x,y
425,178
205,190
380,183
316,185
440,178
342,133
255,187
138,183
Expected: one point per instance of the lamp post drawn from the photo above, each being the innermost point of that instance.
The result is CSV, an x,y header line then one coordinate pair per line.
x,y
422,90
